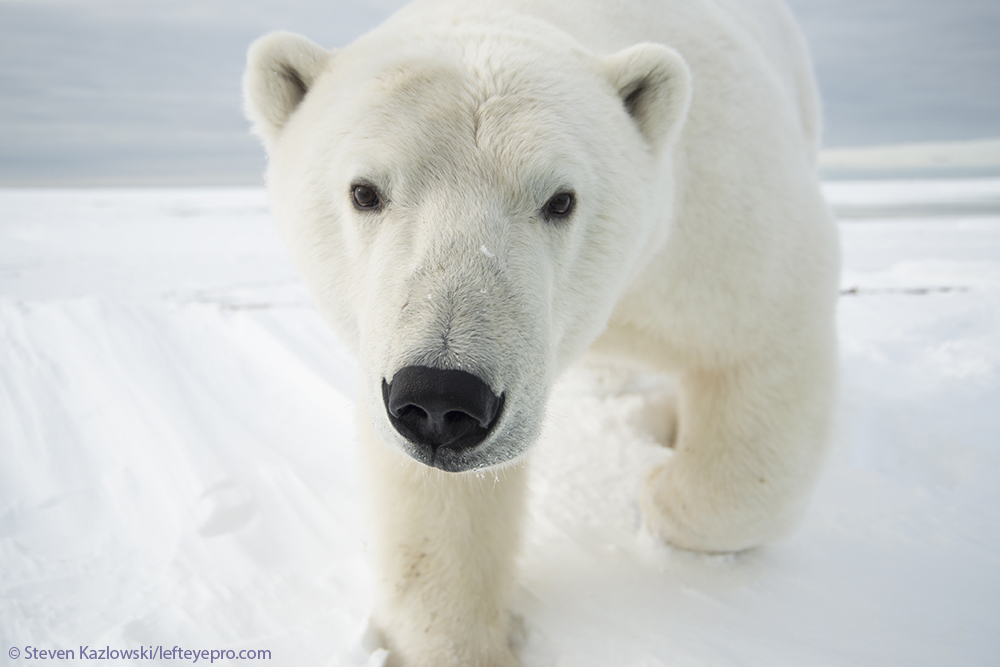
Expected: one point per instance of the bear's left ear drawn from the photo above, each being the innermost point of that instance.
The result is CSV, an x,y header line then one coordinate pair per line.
x,y
281,68
654,84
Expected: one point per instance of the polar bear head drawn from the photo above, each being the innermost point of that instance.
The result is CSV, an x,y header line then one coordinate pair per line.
x,y
466,204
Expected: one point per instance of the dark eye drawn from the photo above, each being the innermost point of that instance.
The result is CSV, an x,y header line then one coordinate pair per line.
x,y
365,197
560,206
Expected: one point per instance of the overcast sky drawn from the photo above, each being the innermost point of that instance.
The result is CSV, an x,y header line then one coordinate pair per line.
x,y
148,91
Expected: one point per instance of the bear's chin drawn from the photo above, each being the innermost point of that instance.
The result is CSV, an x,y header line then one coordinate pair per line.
x,y
483,457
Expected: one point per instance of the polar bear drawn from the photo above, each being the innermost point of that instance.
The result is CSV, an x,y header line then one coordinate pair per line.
x,y
477,192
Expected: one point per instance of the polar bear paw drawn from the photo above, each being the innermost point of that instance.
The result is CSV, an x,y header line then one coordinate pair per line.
x,y
704,517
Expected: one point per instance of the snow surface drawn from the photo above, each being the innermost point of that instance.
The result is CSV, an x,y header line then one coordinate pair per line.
x,y
177,464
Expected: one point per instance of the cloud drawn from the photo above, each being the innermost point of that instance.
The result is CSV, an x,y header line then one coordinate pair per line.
x,y
905,70
956,158
145,92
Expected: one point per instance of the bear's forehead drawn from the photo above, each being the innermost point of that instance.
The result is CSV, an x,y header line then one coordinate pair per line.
x,y
465,112
430,90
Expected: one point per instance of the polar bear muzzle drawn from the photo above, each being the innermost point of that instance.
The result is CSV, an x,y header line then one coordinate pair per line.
x,y
437,409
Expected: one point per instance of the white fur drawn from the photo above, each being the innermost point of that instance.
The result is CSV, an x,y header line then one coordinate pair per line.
x,y
699,245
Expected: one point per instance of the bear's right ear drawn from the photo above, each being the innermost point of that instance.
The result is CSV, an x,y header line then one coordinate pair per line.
x,y
281,68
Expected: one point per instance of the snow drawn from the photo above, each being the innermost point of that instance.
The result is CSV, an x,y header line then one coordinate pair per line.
x,y
177,464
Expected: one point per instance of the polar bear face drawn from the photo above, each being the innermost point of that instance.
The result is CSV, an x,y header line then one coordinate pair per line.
x,y
466,210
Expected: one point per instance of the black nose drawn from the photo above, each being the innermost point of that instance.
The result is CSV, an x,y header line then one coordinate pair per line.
x,y
433,407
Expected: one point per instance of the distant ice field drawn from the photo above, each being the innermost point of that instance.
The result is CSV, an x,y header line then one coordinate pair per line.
x,y
177,460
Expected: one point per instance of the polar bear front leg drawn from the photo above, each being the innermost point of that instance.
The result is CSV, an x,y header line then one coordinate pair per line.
x,y
750,445
444,547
